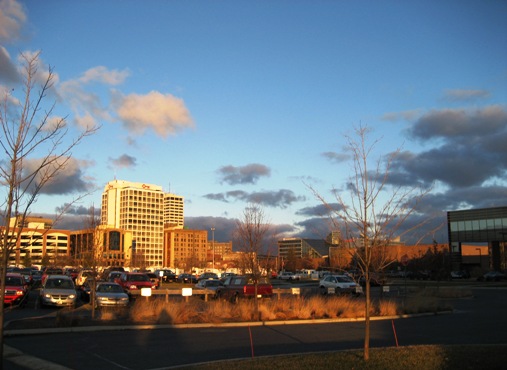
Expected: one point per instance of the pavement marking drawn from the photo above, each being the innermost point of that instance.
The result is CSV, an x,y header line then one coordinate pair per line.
x,y
17,357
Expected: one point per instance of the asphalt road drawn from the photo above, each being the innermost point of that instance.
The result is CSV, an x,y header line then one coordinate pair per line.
x,y
481,319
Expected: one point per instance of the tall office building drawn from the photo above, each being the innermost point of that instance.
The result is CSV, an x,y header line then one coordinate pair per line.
x,y
173,210
138,208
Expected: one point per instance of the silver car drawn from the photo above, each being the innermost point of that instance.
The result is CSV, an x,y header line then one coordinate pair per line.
x,y
339,284
58,290
109,294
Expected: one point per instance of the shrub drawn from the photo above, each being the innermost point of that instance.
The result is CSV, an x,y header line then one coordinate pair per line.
x,y
196,310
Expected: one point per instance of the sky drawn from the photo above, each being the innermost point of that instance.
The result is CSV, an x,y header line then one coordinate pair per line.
x,y
231,103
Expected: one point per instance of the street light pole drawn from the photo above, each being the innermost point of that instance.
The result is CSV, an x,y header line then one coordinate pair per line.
x,y
213,246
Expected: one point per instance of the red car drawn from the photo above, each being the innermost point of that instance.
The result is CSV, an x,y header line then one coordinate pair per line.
x,y
15,288
135,281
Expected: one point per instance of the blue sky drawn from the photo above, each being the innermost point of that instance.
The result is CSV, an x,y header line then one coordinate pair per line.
x,y
229,102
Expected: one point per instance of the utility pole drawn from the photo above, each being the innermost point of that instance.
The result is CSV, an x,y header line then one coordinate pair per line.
x,y
213,246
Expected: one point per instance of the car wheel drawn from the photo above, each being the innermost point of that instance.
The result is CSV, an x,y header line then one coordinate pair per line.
x,y
323,290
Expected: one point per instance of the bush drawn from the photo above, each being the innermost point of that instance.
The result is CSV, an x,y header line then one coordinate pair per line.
x,y
196,310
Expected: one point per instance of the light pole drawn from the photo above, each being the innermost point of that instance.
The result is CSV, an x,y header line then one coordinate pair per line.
x,y
480,256
213,246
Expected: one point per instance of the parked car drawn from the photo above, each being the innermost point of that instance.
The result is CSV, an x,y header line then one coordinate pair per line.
x,y
187,279
110,294
287,275
58,290
238,287
207,275
341,284
51,271
155,279
107,271
36,278
72,272
134,281
113,276
225,275
27,275
83,275
463,274
494,276
168,276
16,289
209,284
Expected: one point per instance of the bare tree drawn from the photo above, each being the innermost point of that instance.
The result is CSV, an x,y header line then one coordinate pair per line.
x,y
93,252
250,236
36,148
373,212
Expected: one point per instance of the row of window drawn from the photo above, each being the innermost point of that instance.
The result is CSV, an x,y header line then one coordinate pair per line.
x,y
477,225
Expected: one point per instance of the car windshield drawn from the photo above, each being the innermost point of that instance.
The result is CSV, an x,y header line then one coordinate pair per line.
x,y
109,288
59,284
343,279
13,281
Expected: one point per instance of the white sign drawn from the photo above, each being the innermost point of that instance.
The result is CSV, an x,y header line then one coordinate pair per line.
x,y
296,291
186,292
146,292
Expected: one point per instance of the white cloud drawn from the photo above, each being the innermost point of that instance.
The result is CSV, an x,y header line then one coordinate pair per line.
x,y
165,114
103,75
465,95
12,18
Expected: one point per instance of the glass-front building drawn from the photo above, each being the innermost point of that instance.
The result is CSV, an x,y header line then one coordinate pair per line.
x,y
485,225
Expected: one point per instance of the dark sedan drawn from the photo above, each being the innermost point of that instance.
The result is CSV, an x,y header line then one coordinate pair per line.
x,y
187,279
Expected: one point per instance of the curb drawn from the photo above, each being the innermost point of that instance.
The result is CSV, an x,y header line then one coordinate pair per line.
x,y
85,329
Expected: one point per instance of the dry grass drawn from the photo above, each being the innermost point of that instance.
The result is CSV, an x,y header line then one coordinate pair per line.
x,y
196,310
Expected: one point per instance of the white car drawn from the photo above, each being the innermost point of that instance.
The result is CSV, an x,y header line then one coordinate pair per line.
x,y
287,275
58,290
339,284
83,275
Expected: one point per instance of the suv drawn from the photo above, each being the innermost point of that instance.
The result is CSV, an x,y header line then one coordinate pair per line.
x,y
58,290
15,288
134,281
167,275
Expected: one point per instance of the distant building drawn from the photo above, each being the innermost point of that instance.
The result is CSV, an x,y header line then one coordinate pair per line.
x,y
142,209
101,246
185,248
484,225
300,247
216,252
173,210
38,241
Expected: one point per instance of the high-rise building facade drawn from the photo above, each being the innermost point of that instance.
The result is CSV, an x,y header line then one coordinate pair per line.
x,y
173,210
138,208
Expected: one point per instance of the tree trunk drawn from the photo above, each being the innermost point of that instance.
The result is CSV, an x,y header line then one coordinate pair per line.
x,y
367,322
